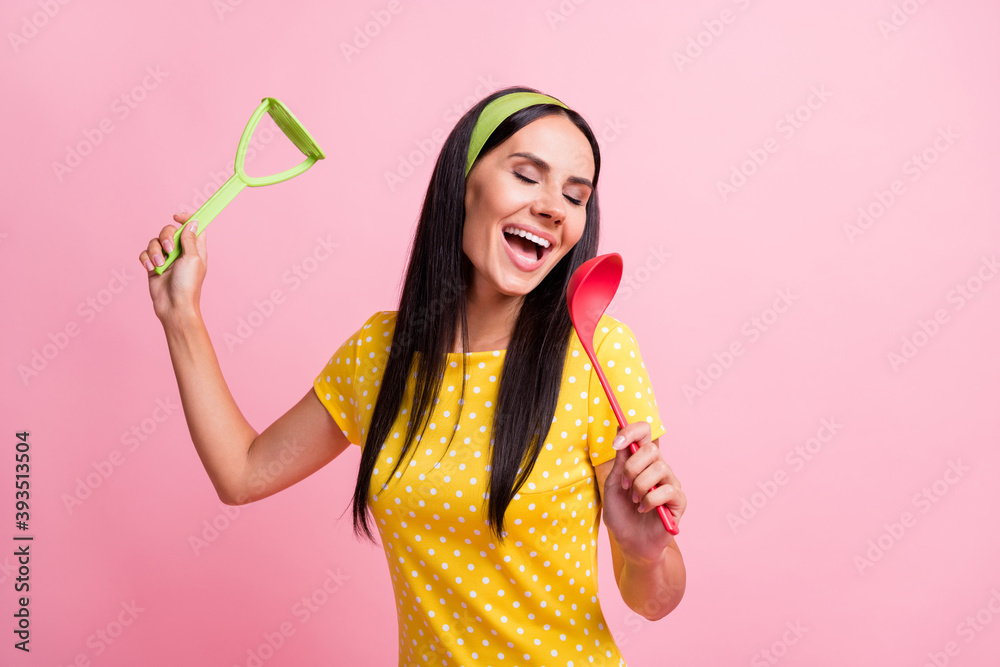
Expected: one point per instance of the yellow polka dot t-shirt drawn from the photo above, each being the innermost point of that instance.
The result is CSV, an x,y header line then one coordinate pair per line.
x,y
462,599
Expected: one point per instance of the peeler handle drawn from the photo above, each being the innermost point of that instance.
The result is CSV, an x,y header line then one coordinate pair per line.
x,y
204,215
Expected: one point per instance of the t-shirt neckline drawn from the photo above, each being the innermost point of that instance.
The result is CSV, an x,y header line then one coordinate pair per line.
x,y
477,354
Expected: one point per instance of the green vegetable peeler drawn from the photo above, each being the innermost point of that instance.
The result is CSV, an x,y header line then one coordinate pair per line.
x,y
292,128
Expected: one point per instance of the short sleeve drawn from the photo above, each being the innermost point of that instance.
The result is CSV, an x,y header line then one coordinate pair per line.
x,y
336,384
618,353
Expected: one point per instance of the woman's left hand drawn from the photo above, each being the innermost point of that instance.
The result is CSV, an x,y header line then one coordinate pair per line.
x,y
629,504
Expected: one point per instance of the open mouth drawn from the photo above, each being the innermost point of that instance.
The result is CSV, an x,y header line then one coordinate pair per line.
x,y
530,253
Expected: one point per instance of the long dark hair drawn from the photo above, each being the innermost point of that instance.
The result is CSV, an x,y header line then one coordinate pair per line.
x,y
432,304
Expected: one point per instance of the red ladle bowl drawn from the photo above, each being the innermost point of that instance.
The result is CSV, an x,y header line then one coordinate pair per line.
x,y
591,289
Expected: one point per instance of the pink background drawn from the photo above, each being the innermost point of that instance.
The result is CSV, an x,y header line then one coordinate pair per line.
x,y
824,545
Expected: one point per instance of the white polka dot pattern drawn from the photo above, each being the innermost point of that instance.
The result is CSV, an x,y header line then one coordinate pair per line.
x,y
626,373
461,597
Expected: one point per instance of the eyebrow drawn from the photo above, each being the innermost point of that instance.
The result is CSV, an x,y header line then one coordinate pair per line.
x,y
542,164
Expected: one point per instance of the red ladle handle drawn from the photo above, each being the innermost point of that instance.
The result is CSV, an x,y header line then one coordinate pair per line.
x,y
666,518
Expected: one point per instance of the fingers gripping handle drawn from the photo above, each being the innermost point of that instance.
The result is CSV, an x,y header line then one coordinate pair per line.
x,y
666,518
205,215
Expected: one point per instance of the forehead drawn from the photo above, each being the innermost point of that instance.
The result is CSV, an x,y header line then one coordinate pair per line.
x,y
556,140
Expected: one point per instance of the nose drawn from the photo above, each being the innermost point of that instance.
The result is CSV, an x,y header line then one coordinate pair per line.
x,y
549,205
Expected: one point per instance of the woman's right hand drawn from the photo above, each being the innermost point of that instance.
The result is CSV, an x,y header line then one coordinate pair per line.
x,y
177,291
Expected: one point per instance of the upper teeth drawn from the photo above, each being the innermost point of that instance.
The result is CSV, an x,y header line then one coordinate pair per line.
x,y
528,235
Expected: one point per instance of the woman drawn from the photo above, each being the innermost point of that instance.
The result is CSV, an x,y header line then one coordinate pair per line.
x,y
488,505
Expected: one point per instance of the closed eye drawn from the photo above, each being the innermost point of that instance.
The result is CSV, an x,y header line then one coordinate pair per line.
x,y
576,202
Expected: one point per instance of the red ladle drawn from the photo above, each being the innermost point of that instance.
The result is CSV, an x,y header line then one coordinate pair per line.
x,y
591,289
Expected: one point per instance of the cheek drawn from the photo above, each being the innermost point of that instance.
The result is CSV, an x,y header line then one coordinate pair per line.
x,y
574,235
468,241
475,242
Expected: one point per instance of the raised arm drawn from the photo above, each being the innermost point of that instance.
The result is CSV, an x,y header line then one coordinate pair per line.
x,y
242,465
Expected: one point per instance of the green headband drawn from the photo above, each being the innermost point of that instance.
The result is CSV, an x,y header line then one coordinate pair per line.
x,y
495,113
